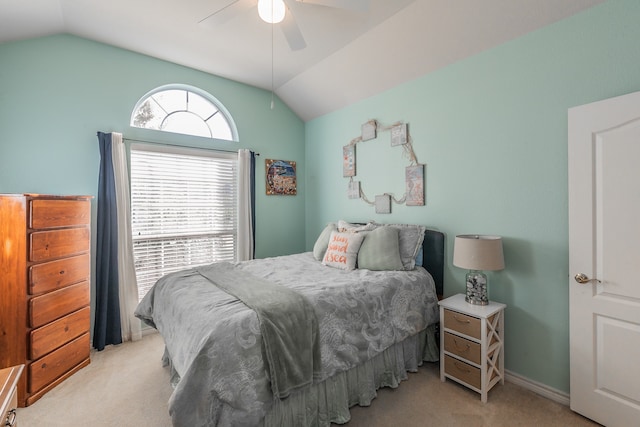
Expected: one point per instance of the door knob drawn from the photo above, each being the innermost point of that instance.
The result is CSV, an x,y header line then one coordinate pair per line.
x,y
583,278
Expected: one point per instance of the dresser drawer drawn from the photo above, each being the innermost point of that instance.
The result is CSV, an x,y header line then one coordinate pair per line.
x,y
462,371
46,245
464,348
58,274
59,213
53,365
45,308
462,323
55,334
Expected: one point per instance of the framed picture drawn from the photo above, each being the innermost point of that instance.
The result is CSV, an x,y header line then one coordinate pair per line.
x,y
354,190
383,204
399,134
349,160
281,177
368,130
414,176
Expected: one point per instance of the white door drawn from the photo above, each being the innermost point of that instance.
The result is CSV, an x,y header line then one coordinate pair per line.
x,y
604,245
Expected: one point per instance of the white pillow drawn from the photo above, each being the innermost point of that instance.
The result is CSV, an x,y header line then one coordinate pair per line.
x,y
342,251
355,228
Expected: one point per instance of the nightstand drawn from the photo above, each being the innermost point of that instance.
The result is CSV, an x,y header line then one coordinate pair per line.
x,y
9,395
472,343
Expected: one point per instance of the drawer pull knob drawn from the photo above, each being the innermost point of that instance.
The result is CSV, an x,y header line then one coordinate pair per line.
x,y
11,418
461,367
61,272
44,366
461,348
461,320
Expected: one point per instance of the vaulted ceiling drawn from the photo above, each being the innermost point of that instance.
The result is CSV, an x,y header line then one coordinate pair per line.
x,y
350,54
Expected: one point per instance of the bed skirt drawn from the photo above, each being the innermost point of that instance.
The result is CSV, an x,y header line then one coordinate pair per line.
x,y
329,401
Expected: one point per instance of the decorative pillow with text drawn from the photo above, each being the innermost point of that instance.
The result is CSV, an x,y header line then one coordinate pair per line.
x,y
342,251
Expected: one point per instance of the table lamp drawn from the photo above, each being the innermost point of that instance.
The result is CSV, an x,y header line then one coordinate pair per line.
x,y
477,253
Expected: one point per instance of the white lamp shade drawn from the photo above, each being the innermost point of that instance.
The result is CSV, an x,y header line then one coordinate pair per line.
x,y
474,252
271,11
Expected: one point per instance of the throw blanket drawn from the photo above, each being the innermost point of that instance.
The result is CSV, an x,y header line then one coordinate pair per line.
x,y
290,337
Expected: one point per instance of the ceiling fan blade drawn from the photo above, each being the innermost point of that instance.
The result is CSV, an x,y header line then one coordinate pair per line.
x,y
355,5
231,10
292,32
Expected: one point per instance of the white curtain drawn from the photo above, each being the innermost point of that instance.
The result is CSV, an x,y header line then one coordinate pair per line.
x,y
128,291
245,231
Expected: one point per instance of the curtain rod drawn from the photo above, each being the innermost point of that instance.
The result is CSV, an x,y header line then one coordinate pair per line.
x,y
178,145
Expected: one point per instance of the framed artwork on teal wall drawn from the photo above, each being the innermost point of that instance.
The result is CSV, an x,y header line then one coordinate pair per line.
x,y
281,177
349,160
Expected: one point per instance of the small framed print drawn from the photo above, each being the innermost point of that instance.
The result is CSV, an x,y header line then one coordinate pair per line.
x,y
368,130
399,134
349,160
354,190
280,177
383,204
414,177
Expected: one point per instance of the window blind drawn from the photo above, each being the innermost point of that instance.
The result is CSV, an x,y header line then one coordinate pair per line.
x,y
183,210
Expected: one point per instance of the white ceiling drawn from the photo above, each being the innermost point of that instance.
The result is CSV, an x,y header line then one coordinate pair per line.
x,y
349,56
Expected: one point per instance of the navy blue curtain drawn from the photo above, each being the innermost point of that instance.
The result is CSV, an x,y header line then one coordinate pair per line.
x,y
106,327
253,200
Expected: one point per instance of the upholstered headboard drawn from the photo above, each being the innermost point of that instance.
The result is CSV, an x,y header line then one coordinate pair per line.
x,y
433,257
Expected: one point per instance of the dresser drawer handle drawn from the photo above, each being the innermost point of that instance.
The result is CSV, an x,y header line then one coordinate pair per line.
x,y
460,348
461,320
11,418
461,367
61,272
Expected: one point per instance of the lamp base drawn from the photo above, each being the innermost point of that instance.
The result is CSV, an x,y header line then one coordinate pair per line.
x,y
477,291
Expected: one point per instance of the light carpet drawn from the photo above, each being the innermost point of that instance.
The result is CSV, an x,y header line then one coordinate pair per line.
x,y
126,385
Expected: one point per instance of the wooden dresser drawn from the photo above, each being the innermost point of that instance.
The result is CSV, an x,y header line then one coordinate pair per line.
x,y
45,269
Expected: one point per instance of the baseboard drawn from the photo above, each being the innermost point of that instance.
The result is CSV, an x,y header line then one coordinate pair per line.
x,y
148,330
538,388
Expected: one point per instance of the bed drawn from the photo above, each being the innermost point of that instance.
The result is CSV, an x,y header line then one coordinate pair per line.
x,y
357,330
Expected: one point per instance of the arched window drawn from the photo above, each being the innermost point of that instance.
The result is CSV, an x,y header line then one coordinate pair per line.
x,y
186,110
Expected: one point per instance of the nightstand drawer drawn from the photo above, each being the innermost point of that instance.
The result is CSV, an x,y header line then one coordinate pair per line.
x,y
464,348
462,323
462,371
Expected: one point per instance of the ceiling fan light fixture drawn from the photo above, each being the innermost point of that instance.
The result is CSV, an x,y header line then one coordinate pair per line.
x,y
271,11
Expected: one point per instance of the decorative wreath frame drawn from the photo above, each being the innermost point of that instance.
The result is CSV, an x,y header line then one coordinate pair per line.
x,y
414,173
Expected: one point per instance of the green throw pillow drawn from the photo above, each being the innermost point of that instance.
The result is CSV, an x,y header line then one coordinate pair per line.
x,y
380,250
322,242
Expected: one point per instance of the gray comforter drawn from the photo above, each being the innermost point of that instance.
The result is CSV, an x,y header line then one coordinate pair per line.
x,y
214,344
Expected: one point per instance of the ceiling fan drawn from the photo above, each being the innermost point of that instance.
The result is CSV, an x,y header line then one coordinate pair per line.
x,y
268,11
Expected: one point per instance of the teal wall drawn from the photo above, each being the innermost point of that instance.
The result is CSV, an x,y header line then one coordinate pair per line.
x,y
57,92
492,130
